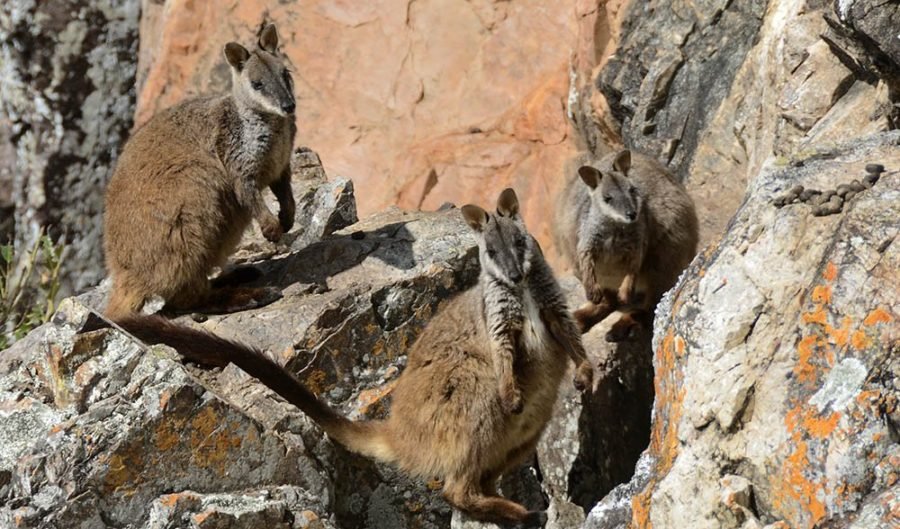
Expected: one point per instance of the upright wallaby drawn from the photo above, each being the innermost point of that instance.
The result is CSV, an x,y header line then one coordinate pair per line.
x,y
629,229
189,181
449,416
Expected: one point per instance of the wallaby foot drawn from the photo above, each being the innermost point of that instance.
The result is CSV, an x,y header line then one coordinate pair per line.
x,y
229,299
591,314
234,299
625,328
236,276
483,508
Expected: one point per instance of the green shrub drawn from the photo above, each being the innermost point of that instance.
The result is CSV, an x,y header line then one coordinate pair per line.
x,y
29,285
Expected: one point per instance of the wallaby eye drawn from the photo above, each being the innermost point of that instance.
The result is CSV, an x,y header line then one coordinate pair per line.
x,y
633,190
607,198
491,253
257,85
286,75
520,244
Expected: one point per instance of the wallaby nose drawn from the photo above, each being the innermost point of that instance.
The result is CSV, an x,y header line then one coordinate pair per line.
x,y
516,276
631,215
289,107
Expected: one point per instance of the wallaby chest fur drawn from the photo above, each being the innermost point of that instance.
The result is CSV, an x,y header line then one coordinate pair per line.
x,y
447,397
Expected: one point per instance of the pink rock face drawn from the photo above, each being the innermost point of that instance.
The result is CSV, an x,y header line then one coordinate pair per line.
x,y
420,103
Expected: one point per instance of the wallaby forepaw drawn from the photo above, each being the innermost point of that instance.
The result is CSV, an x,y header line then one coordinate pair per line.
x,y
595,294
272,230
584,376
583,319
622,331
511,400
266,295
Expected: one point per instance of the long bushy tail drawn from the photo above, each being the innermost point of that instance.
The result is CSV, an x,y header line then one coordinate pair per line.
x,y
203,347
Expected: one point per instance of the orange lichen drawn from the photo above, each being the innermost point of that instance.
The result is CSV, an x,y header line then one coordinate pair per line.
x,y
211,440
805,370
822,294
877,316
374,396
670,393
816,316
640,509
169,500
830,273
860,341
839,335
201,517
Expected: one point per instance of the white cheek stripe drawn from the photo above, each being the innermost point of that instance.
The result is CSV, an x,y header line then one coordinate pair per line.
x,y
263,102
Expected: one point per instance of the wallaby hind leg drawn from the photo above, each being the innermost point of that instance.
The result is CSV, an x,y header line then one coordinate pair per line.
x,y
629,325
516,457
223,300
591,314
123,301
494,509
237,276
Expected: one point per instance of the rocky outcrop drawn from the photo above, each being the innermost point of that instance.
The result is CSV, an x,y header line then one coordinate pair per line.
x,y
98,429
66,104
775,382
776,364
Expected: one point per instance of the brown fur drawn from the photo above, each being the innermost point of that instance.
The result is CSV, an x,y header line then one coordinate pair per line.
x,y
625,266
448,418
188,184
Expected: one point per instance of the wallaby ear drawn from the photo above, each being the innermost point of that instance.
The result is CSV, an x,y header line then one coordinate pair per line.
x,y
236,55
590,176
622,163
268,38
508,203
475,216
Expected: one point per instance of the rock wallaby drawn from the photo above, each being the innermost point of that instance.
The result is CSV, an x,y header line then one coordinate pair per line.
x,y
629,229
449,417
189,182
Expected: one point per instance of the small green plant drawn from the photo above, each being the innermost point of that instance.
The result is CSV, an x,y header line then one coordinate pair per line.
x,y
29,285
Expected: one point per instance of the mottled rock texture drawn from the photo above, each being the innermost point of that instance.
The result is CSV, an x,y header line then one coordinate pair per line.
x,y
67,70
775,357
776,361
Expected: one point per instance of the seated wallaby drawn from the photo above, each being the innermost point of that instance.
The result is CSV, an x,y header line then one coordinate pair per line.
x,y
480,383
189,182
629,229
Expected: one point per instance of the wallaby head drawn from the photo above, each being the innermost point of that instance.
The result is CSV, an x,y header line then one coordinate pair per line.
x,y
505,248
612,193
259,78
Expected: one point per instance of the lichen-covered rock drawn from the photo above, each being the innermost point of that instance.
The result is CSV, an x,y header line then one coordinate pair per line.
x,y
97,428
776,362
66,101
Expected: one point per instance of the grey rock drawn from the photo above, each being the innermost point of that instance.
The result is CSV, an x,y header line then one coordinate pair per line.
x,y
67,97
671,67
779,362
